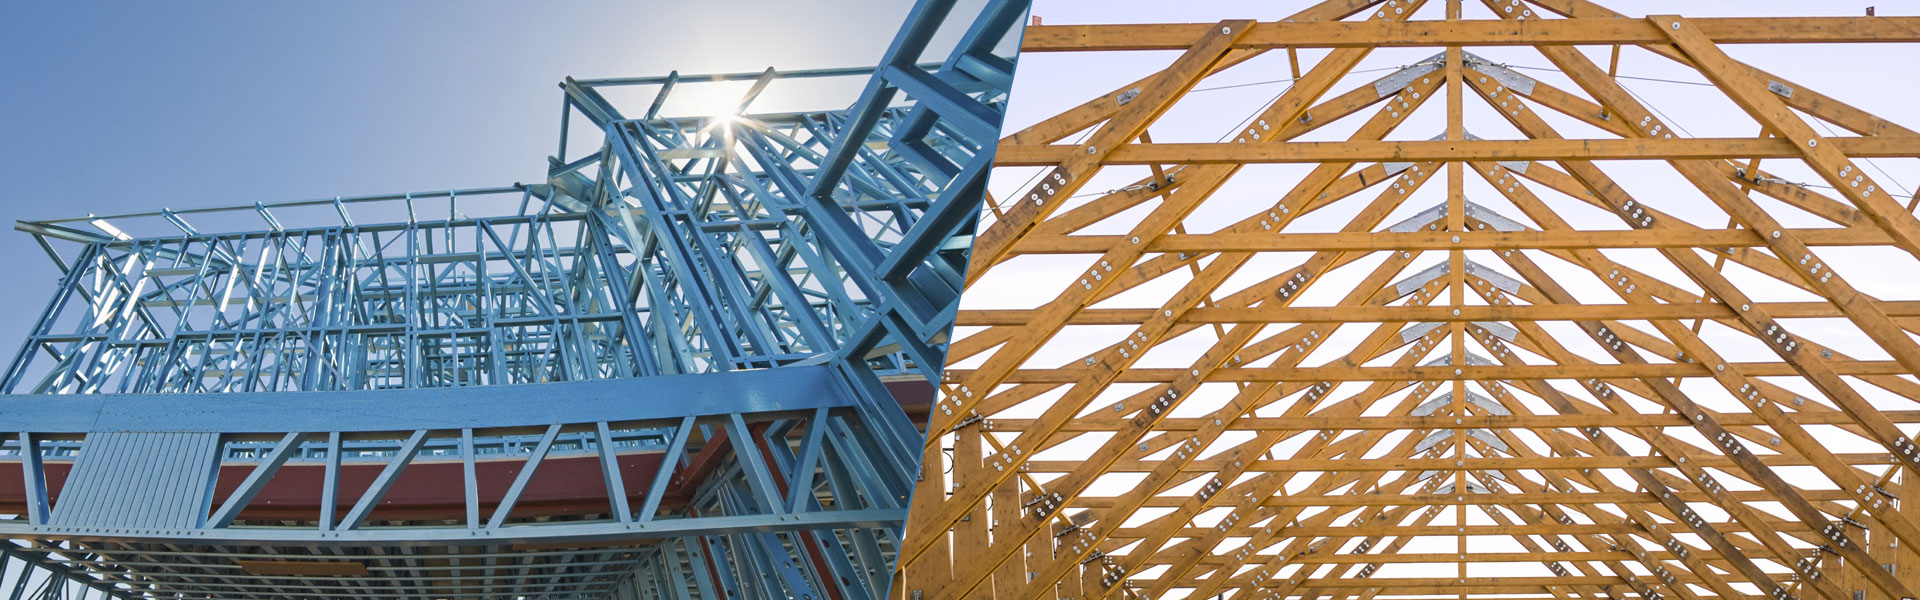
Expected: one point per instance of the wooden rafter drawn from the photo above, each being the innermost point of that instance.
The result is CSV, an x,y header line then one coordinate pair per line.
x,y
1350,393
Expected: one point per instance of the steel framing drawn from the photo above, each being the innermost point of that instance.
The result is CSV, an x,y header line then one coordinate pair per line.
x,y
681,361
1478,398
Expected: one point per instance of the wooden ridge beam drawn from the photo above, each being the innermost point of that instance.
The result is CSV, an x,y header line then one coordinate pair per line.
x,y
1301,465
1448,373
1475,421
1447,150
1904,310
1473,32
1430,314
1466,240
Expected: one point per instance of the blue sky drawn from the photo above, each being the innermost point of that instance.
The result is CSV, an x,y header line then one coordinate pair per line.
x,y
121,106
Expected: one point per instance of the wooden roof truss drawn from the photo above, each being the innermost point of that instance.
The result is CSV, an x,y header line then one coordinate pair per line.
x,y
1514,395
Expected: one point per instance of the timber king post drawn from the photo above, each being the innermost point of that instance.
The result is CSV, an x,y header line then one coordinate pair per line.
x,y
430,395
1593,379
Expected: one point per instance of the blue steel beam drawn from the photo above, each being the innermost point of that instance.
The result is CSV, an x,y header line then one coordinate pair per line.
x,y
35,475
256,480
384,483
526,474
797,389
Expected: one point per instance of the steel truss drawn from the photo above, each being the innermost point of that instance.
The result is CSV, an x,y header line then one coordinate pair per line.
x,y
1487,397
686,362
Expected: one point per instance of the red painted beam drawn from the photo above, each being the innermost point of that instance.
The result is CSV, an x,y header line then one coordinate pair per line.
x,y
427,491
435,490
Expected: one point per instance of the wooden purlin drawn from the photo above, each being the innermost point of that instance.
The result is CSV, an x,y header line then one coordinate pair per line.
x,y
1486,398
1374,34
